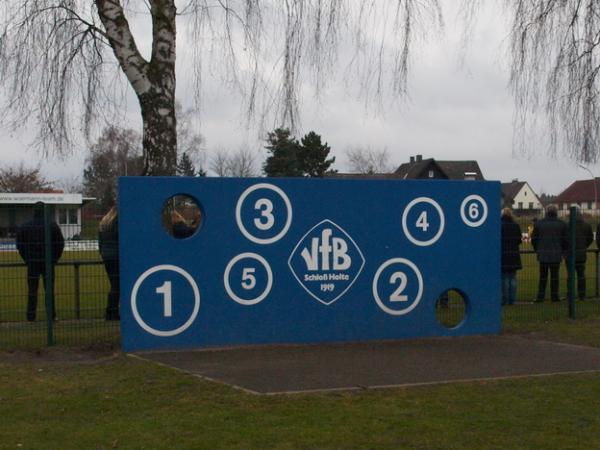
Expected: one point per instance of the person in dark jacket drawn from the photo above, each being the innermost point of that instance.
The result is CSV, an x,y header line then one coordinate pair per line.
x,y
31,244
108,244
583,238
550,243
510,235
181,229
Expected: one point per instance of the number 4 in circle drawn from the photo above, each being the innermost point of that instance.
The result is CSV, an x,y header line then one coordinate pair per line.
x,y
422,222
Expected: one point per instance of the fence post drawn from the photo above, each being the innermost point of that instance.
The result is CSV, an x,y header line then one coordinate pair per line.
x,y
76,285
571,262
48,275
596,254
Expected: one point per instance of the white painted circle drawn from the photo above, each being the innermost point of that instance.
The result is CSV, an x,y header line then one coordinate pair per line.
x,y
484,214
238,213
438,208
413,305
232,294
139,282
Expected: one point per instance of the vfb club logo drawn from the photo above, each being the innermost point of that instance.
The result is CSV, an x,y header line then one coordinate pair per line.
x,y
326,262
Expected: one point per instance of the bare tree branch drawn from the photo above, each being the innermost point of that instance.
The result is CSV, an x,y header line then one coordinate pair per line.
x,y
555,48
54,60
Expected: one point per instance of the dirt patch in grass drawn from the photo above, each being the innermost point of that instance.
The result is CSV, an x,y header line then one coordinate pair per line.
x,y
59,356
584,331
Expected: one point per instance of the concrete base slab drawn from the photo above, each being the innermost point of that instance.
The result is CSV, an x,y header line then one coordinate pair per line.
x,y
305,368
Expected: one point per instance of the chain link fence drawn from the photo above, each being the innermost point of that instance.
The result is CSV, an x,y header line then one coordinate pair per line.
x,y
78,285
34,282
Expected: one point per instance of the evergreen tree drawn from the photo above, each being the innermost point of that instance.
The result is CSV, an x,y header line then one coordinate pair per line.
x,y
312,156
186,168
283,154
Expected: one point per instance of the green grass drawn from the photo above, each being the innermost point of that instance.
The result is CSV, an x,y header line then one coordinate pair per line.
x,y
76,333
93,288
583,331
131,404
126,403
527,278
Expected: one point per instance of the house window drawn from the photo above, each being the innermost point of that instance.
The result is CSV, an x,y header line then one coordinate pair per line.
x,y
525,193
62,216
431,174
520,205
67,216
530,205
72,216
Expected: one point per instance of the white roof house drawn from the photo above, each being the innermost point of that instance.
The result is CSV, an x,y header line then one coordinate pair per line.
x,y
17,208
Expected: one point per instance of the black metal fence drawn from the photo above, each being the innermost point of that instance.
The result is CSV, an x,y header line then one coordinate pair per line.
x,y
81,285
32,285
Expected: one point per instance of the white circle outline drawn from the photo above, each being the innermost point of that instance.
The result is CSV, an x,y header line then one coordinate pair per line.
x,y
464,204
139,282
238,213
385,265
232,294
410,237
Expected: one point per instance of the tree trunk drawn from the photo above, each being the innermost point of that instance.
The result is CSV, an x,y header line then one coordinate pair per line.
x,y
160,134
153,81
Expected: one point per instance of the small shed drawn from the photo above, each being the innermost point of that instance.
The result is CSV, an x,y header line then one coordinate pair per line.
x,y
17,208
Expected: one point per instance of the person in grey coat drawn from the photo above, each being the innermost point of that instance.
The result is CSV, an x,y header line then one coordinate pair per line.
x,y
583,239
550,242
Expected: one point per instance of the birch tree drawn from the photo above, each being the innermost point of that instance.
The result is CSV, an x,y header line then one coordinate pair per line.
x,y
60,59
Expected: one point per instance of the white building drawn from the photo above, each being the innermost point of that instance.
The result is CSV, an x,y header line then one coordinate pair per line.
x,y
15,209
583,193
519,196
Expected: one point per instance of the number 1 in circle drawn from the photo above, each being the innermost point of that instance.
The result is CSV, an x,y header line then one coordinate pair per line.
x,y
165,290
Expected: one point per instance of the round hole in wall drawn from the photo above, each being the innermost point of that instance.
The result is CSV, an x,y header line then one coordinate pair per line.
x,y
451,308
182,216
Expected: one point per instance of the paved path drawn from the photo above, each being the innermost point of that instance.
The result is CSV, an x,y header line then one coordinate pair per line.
x,y
302,368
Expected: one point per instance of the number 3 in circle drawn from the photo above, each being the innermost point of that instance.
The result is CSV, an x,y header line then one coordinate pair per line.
x,y
265,206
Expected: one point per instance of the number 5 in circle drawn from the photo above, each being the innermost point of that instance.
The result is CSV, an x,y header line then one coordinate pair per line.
x,y
248,278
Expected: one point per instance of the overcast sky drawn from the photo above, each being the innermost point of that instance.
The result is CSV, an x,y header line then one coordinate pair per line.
x,y
455,112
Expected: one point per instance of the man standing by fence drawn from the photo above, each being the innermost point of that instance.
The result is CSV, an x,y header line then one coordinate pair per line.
x,y
583,238
550,242
31,244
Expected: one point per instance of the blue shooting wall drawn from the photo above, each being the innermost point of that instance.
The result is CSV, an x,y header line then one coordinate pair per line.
x,y
306,260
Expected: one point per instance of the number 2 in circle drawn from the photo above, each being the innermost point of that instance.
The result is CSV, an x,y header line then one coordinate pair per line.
x,y
397,296
265,206
165,290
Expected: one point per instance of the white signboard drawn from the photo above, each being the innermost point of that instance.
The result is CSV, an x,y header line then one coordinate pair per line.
x,y
54,199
